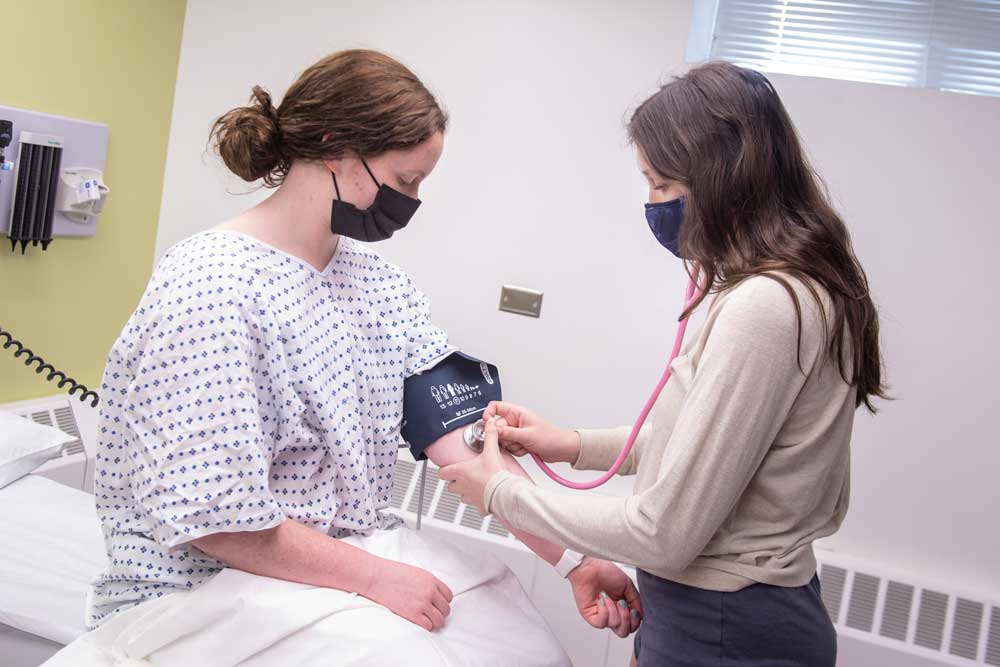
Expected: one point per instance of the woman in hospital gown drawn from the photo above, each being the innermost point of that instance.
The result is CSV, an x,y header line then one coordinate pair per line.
x,y
249,387
252,408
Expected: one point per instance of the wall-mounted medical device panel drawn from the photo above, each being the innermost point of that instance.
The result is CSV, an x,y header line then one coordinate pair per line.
x,y
51,177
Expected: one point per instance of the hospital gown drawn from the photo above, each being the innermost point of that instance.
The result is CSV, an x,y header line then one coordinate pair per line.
x,y
248,387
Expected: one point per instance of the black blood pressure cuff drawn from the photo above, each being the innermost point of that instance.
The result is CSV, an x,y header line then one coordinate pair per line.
x,y
452,394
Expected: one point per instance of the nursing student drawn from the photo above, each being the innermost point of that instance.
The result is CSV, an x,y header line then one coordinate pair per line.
x,y
745,459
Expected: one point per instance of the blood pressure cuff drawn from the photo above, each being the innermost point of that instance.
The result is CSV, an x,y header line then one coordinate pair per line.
x,y
452,394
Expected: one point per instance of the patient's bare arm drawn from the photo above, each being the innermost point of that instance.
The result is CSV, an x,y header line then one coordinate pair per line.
x,y
295,552
450,449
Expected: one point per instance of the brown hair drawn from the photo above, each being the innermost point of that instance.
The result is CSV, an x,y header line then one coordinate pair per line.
x,y
352,102
756,205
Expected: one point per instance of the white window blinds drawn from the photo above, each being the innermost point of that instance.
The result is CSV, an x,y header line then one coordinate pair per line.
x,y
946,44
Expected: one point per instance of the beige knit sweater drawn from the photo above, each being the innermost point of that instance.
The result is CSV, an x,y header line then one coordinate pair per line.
x,y
744,462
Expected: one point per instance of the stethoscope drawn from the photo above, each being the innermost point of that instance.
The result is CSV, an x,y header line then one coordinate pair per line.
x,y
474,434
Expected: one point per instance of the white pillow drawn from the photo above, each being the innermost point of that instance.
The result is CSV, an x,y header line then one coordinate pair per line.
x,y
25,445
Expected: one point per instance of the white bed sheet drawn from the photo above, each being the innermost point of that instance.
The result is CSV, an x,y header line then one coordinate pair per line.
x,y
50,548
238,618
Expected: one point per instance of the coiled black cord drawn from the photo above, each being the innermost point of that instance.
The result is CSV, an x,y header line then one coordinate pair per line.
x,y
9,341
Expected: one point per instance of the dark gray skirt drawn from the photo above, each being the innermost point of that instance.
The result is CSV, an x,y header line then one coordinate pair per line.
x,y
759,626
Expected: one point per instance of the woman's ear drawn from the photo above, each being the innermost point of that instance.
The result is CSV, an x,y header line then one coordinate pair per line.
x,y
334,165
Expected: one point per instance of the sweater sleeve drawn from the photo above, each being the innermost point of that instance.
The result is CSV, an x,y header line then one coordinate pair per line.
x,y
743,389
600,447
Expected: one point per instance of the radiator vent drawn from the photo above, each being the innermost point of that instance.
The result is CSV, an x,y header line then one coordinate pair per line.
x,y
415,506
58,414
447,507
965,631
471,518
931,618
71,448
866,603
401,480
993,643
43,418
65,420
832,579
496,528
896,614
861,609
439,505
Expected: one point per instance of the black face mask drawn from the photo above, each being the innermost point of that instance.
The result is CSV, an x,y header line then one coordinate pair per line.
x,y
389,213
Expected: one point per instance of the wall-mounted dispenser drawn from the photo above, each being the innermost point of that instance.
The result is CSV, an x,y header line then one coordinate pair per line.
x,y
81,194
52,184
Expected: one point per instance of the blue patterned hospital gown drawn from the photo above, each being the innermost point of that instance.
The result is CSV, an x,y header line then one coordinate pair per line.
x,y
248,387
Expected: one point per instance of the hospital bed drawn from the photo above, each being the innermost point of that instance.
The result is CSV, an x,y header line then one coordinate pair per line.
x,y
52,547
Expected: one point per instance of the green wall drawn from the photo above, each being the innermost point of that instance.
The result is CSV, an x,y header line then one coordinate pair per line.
x,y
68,304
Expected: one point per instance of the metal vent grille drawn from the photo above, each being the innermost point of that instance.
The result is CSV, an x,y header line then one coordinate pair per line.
x,y
993,641
447,507
471,518
432,482
66,422
402,476
930,620
965,631
41,418
75,447
497,528
861,608
61,417
870,603
439,503
896,614
832,579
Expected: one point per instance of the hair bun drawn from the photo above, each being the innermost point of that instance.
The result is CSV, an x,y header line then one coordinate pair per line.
x,y
262,100
248,140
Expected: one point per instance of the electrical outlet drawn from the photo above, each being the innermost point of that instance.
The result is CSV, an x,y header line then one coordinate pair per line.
x,y
521,300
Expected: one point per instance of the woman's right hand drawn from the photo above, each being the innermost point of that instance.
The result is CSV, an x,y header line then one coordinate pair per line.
x,y
410,592
527,433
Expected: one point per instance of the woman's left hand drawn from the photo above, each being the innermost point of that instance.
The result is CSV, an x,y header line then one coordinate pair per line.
x,y
469,478
605,596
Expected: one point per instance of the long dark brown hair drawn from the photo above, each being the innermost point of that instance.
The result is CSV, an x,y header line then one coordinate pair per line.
x,y
358,102
756,205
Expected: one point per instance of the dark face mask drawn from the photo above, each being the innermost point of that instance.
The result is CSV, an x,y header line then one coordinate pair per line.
x,y
664,220
389,213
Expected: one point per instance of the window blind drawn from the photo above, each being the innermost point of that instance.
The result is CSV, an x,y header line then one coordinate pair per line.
x,y
945,44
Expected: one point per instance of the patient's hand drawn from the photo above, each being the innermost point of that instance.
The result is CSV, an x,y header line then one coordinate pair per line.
x,y
410,592
599,588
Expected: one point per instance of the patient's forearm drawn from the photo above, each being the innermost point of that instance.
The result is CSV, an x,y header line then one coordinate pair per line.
x,y
452,449
293,552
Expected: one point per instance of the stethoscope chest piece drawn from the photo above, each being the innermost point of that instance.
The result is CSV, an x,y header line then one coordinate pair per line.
x,y
474,434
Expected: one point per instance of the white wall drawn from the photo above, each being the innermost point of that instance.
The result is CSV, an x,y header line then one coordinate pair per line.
x,y
915,174
538,188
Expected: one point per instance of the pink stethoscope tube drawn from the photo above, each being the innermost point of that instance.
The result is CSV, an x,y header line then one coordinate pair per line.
x,y
689,298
